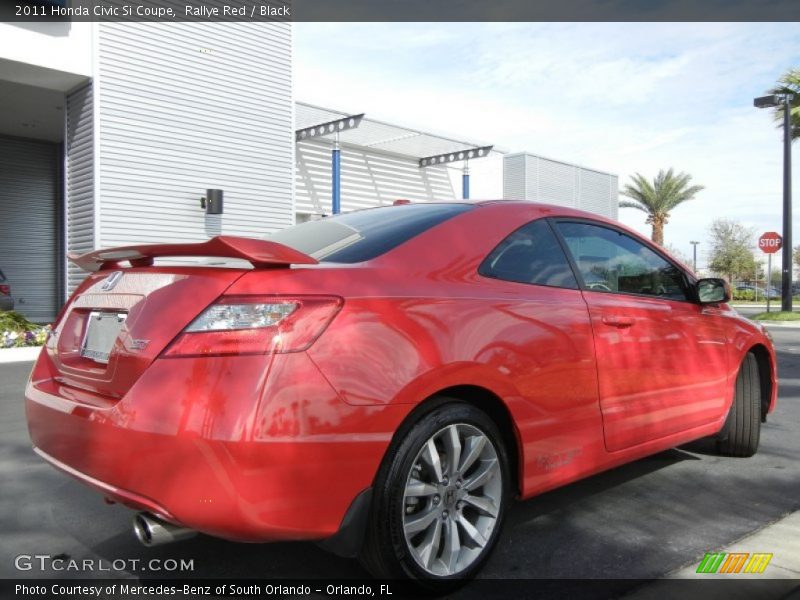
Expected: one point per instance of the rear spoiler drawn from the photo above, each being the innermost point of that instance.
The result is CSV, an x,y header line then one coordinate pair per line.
x,y
260,253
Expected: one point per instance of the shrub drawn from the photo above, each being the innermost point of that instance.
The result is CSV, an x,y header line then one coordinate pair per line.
x,y
744,295
16,331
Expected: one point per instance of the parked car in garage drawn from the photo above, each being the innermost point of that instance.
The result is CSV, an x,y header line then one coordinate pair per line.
x,y
6,301
387,381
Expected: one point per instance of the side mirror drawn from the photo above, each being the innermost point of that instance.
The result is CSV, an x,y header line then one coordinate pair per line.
x,y
713,291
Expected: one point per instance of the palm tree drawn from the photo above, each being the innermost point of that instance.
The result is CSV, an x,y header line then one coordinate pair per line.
x,y
789,83
658,198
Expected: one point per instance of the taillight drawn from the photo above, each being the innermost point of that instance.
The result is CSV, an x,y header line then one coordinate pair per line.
x,y
5,289
237,325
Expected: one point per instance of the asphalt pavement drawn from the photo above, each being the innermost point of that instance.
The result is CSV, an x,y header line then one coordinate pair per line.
x,y
641,521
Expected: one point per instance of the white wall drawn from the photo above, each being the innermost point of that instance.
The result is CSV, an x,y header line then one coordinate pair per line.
x,y
530,177
368,178
182,107
485,177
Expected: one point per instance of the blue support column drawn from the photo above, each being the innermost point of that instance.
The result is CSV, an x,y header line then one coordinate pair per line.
x,y
465,182
336,199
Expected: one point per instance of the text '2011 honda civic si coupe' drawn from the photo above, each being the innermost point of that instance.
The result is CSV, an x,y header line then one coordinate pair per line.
x,y
387,381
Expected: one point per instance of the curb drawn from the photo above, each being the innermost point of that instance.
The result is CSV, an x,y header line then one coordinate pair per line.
x,y
781,576
12,355
789,324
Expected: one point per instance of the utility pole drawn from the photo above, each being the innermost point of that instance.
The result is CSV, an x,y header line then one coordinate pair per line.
x,y
694,255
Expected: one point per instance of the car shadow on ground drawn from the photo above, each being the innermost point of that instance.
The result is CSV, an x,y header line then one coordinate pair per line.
x,y
215,558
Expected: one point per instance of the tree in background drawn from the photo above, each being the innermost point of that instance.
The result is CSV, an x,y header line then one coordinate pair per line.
x,y
658,198
776,280
789,83
686,260
731,253
796,256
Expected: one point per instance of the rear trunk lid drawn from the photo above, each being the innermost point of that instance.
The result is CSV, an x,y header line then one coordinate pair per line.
x,y
122,317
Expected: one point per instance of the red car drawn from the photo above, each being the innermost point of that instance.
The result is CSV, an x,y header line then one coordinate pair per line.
x,y
388,380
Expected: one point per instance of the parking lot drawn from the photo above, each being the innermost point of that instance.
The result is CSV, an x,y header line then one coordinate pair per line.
x,y
639,521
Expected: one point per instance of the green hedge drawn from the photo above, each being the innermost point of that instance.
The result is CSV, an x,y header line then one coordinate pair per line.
x,y
745,295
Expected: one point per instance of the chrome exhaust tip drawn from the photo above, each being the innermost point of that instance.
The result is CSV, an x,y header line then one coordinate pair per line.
x,y
152,531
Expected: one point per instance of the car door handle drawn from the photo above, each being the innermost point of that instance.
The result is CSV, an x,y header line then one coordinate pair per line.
x,y
617,321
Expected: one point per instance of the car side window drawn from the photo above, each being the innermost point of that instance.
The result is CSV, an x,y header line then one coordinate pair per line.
x,y
531,254
610,261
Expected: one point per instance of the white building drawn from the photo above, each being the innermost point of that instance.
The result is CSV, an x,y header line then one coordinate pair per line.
x,y
110,134
527,176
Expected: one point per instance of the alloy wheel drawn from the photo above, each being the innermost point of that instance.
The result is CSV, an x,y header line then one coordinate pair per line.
x,y
452,499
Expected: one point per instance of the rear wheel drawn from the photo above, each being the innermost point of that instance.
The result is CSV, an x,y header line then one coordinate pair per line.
x,y
740,434
439,499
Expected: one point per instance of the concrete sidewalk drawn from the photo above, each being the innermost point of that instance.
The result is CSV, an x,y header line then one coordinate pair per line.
x,y
780,323
12,355
780,578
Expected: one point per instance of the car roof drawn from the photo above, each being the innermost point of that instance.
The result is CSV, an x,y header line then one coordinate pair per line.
x,y
551,210
544,210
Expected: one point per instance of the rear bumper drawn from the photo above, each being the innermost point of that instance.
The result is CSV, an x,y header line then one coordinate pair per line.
x,y
112,492
248,448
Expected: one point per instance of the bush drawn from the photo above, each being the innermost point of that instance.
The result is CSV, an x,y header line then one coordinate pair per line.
x,y
744,295
16,331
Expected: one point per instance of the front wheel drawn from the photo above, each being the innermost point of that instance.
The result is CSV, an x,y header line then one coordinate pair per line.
x,y
439,499
741,432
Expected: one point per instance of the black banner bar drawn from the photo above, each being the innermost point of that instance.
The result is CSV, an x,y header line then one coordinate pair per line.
x,y
516,589
168,11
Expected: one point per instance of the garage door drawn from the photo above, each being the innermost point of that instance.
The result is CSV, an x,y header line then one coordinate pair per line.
x,y
30,229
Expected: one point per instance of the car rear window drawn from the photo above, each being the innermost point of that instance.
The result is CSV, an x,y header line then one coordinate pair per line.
x,y
363,235
2,277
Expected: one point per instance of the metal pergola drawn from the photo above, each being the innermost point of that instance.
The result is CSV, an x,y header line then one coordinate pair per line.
x,y
428,149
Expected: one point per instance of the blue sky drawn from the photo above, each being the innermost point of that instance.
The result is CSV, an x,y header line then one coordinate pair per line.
x,y
617,97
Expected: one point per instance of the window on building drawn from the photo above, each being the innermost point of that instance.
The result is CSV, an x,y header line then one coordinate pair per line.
x,y
610,261
532,255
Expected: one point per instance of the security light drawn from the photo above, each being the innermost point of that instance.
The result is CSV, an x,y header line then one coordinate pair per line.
x,y
766,101
212,203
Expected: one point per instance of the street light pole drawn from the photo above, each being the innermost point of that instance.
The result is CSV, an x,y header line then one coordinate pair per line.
x,y
786,280
772,101
694,255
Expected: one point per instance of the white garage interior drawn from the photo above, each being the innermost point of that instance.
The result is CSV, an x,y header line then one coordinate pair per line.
x,y
32,128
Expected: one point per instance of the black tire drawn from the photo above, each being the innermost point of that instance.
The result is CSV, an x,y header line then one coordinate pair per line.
x,y
386,553
740,434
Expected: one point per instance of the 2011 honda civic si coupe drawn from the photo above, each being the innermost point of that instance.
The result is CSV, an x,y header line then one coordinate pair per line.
x,y
388,380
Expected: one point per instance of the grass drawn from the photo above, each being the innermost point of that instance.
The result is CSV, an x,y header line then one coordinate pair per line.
x,y
777,316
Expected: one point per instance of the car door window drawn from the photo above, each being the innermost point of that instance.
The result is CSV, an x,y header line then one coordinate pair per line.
x,y
531,254
610,261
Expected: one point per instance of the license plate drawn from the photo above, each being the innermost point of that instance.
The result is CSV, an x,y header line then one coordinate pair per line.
x,y
101,333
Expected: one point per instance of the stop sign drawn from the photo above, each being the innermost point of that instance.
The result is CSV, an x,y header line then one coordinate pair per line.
x,y
770,242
